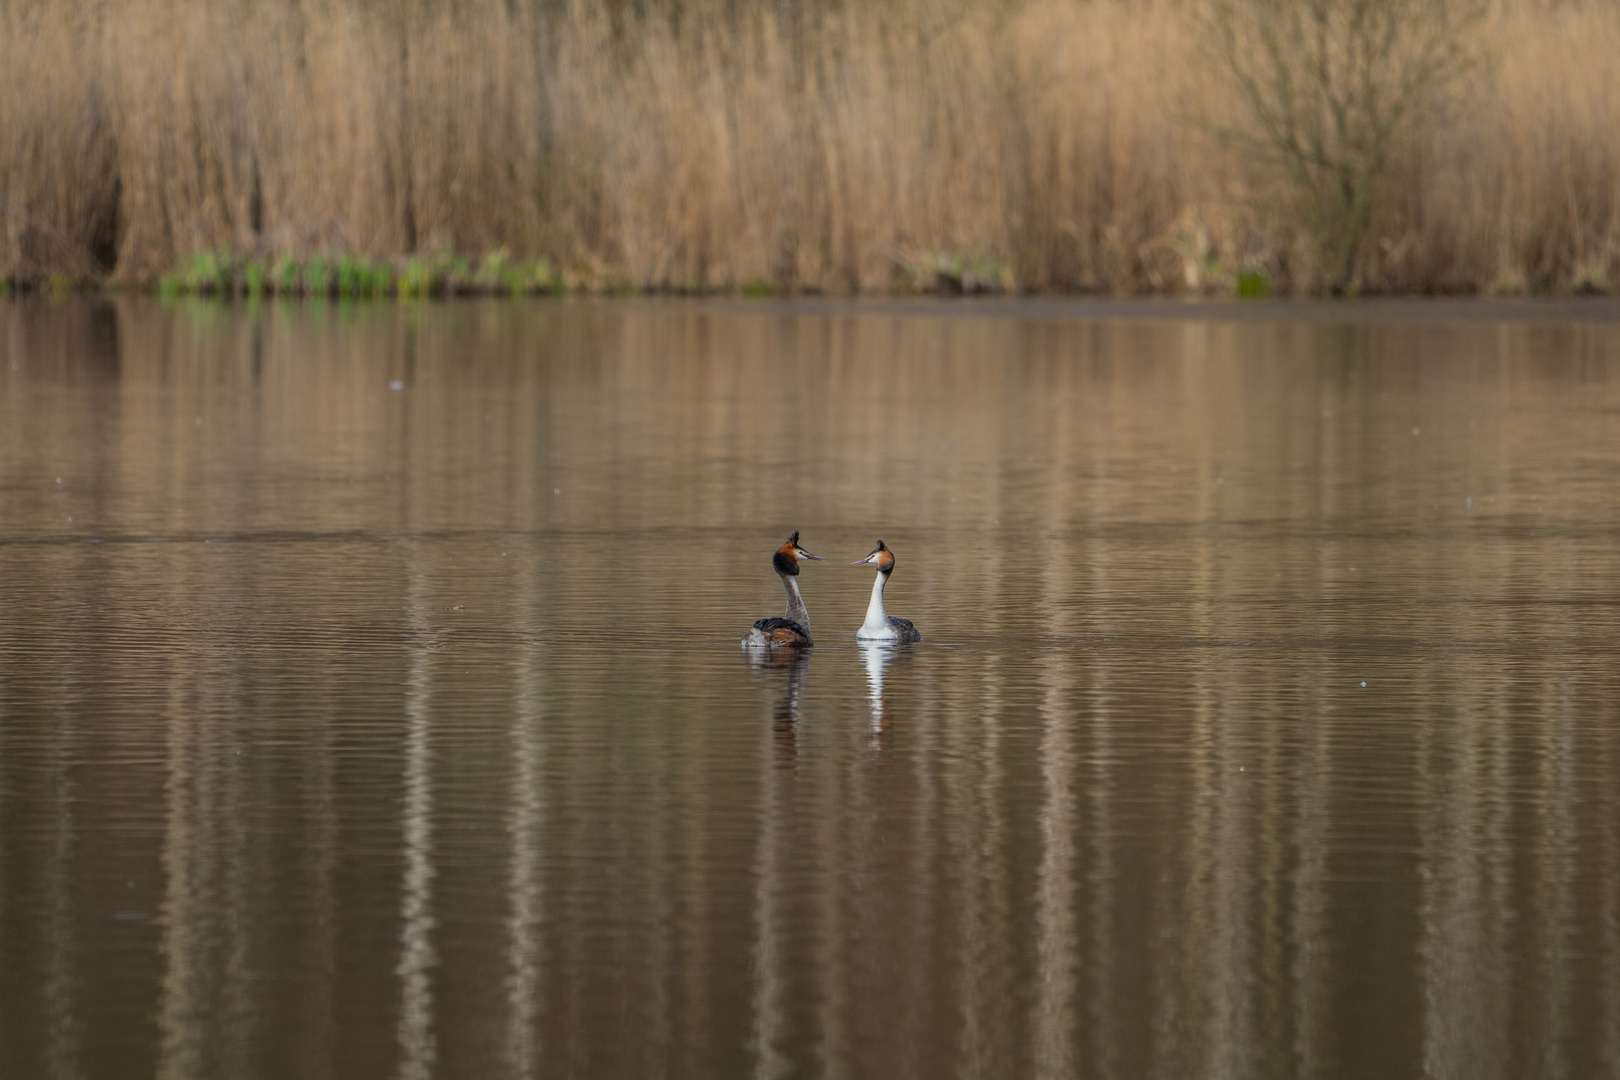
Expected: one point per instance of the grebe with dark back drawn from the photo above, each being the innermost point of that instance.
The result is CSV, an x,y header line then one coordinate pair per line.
x,y
793,628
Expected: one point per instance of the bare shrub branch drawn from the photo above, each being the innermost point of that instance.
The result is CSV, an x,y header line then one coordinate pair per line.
x,y
1327,87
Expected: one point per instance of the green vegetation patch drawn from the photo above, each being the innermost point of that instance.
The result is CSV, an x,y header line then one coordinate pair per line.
x,y
1253,285
356,277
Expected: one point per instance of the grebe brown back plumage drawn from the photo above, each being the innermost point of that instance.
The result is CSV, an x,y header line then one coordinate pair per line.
x,y
793,628
879,624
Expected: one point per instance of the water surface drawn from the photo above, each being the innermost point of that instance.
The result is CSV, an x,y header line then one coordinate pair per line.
x,y
371,704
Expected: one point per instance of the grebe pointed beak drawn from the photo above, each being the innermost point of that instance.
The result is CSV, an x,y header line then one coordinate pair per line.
x,y
806,555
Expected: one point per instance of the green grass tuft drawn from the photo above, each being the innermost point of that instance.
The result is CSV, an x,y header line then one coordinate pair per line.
x,y
1253,285
286,274
348,276
207,273
318,277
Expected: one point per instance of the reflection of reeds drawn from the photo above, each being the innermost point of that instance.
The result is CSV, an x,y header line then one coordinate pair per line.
x,y
525,820
1254,865
867,146
418,947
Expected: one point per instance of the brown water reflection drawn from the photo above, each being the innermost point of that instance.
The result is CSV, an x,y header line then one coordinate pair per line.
x,y
370,701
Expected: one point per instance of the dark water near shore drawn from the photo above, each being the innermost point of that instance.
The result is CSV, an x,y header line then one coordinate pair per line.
x,y
371,705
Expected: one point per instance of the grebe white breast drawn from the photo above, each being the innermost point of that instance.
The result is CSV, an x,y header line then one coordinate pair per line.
x,y
793,628
879,624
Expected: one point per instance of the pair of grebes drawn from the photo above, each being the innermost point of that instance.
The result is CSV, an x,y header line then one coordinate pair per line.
x,y
792,630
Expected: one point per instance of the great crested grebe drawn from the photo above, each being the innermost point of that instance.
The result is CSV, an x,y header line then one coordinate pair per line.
x,y
879,624
793,628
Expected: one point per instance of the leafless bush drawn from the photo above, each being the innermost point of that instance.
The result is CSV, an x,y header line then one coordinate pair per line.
x,y
1327,89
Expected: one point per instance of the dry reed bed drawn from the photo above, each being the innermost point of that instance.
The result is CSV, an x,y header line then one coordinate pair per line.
x,y
1047,145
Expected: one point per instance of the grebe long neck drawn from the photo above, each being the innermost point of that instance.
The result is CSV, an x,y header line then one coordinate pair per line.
x,y
876,617
795,608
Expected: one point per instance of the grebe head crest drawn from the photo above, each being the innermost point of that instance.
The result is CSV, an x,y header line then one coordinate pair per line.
x,y
881,557
786,559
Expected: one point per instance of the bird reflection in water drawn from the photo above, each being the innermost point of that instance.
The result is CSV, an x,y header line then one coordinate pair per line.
x,y
877,656
790,665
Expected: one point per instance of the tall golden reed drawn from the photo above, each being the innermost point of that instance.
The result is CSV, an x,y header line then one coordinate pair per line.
x,y
1055,144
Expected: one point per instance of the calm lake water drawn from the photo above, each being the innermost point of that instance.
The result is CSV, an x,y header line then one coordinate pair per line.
x,y
371,702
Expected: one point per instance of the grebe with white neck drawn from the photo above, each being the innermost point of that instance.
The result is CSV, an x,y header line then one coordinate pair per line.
x,y
879,624
793,628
